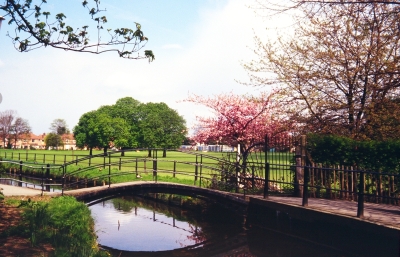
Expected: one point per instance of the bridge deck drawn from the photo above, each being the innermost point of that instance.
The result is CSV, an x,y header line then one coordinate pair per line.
x,y
378,214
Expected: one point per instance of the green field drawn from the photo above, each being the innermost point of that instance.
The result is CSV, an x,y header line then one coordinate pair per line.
x,y
179,167
122,168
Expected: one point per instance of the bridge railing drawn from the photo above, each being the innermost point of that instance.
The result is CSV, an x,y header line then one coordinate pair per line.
x,y
352,184
195,168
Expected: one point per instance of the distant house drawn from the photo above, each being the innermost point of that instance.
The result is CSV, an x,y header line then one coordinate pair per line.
x,y
69,142
208,148
27,141
35,141
32,141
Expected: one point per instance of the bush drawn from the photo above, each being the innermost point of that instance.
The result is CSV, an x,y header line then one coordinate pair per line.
x,y
64,222
369,155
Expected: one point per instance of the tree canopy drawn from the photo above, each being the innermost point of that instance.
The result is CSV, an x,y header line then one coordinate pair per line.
x,y
160,126
98,129
130,124
238,119
339,71
53,140
36,27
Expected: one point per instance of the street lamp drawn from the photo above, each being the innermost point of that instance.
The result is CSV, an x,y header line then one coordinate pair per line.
x,y
1,20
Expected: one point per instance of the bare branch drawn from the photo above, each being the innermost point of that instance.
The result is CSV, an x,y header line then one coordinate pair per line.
x,y
34,29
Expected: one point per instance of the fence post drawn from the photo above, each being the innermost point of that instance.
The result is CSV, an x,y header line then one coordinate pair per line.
x,y
360,205
47,177
201,168
237,171
252,176
109,169
267,168
136,168
305,186
155,169
54,159
20,174
19,156
300,163
266,180
195,171
44,158
173,173
119,164
42,180
63,181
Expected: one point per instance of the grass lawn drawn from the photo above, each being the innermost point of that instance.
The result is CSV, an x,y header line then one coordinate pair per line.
x,y
179,167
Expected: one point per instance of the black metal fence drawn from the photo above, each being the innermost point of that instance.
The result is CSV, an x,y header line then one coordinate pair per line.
x,y
277,166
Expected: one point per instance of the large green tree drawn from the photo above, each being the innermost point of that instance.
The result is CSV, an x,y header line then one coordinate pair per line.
x,y
340,71
125,108
160,126
36,27
98,129
130,124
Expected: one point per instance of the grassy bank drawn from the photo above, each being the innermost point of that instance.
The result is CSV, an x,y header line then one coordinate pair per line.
x,y
62,222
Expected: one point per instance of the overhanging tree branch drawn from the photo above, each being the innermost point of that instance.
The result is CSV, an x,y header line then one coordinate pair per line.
x,y
34,29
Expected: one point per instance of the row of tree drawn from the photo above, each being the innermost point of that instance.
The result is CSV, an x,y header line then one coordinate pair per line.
x,y
12,127
130,124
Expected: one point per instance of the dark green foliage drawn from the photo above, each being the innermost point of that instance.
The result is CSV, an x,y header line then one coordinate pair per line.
x,y
63,222
371,155
130,124
53,140
160,126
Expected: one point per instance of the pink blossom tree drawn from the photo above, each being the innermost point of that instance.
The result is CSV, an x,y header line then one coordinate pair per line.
x,y
239,120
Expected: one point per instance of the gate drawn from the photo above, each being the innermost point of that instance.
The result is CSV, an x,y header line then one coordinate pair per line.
x,y
272,160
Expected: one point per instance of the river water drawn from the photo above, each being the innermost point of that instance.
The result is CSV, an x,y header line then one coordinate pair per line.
x,y
184,226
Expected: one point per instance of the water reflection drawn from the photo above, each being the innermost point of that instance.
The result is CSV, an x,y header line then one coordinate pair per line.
x,y
136,224
140,229
181,226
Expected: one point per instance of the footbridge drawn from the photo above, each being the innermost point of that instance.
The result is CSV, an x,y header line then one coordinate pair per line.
x,y
140,187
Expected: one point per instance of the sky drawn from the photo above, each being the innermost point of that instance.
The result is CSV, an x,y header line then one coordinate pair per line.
x,y
199,46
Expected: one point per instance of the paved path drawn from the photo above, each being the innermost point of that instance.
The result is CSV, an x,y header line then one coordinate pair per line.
x,y
19,191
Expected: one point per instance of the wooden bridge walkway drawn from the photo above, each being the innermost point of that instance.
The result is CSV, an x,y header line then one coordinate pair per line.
x,y
383,215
